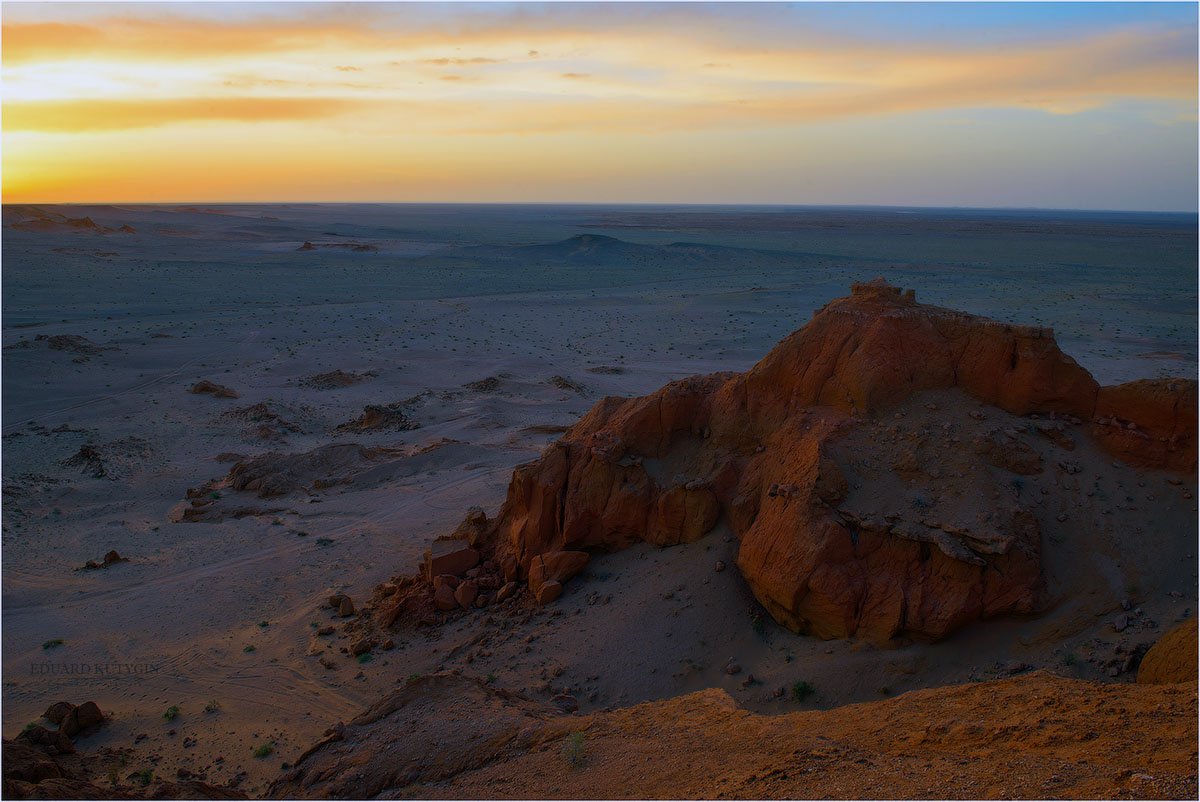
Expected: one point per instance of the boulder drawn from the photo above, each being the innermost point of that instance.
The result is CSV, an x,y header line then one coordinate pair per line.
x,y
444,599
1173,658
548,592
57,712
454,557
81,718
466,593
506,592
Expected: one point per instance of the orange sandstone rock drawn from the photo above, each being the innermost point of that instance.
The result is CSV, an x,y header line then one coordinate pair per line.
x,y
761,450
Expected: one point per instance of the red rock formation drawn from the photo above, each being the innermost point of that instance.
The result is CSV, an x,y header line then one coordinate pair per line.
x,y
1149,422
757,449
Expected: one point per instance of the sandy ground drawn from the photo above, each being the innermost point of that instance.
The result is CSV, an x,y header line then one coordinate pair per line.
x,y
225,612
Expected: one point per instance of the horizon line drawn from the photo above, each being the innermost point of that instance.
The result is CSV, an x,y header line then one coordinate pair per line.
x,y
693,204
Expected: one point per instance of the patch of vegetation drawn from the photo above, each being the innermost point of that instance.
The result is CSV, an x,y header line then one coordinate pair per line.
x,y
364,658
263,750
324,541
50,644
412,678
490,678
144,776
214,495
264,624
248,648
212,706
30,726
801,690
171,712
573,749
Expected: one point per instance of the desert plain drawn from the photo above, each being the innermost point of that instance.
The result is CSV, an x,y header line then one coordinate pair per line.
x,y
266,410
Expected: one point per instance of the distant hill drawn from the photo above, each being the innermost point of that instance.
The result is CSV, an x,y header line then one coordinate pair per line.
x,y
598,250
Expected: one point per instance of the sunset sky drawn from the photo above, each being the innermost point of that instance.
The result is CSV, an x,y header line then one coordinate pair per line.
x,y
1048,105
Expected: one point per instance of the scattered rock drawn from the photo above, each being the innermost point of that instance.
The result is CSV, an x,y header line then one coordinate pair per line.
x,y
335,380
205,387
111,558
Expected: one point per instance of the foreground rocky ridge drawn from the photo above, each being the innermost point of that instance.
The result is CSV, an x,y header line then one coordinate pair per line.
x,y
1034,736
766,453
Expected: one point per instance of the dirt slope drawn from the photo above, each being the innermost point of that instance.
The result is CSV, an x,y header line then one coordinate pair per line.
x,y
1038,736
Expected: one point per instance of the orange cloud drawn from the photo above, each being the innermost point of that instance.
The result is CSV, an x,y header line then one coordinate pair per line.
x,y
112,115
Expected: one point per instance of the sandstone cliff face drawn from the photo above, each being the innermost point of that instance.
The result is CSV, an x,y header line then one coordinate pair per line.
x,y
767,452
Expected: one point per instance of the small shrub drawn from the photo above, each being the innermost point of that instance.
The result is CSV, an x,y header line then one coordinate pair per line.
x,y
144,776
490,678
263,750
212,706
802,690
573,749
50,644
248,648
364,658
264,624
214,495
171,712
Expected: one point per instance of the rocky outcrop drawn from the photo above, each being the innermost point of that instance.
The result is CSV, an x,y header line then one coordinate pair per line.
x,y
378,418
1173,658
760,450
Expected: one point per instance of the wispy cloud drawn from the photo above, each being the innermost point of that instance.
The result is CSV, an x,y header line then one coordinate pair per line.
x,y
115,115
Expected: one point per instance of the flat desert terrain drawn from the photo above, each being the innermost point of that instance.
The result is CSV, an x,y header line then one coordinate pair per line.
x,y
392,365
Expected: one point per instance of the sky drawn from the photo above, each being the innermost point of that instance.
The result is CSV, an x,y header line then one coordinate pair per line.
x,y
1050,105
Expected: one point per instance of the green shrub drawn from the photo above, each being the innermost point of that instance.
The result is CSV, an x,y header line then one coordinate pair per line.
x,y
573,749
802,690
